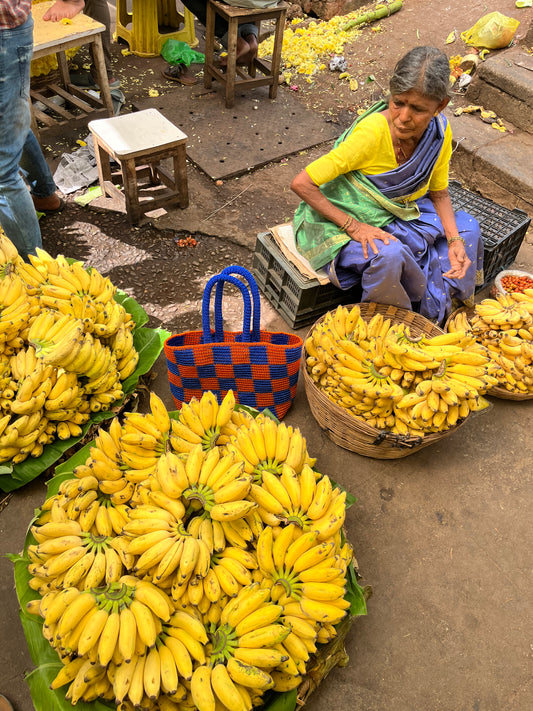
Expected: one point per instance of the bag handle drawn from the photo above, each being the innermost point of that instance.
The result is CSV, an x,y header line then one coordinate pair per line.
x,y
219,323
256,302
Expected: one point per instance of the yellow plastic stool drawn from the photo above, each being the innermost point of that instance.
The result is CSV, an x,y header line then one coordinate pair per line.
x,y
145,20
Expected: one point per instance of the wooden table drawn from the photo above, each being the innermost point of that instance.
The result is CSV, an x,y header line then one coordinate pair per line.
x,y
55,38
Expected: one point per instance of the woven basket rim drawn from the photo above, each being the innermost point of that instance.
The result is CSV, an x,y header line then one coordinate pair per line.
x,y
383,444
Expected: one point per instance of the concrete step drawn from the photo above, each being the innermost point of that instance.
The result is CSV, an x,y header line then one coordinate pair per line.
x,y
496,165
504,84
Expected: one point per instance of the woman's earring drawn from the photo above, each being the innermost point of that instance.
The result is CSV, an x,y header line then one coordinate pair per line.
x,y
436,114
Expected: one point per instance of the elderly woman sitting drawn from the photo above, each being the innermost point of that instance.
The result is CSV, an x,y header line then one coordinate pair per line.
x,y
376,209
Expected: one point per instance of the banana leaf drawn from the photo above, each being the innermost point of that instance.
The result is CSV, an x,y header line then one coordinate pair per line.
x,y
45,658
149,344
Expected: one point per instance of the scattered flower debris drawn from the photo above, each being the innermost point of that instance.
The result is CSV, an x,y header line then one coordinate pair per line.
x,y
186,241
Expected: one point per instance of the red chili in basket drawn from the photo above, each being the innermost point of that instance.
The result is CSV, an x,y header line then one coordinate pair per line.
x,y
516,283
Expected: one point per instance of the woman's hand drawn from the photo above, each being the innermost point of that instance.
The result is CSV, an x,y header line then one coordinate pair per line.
x,y
360,232
459,261
366,234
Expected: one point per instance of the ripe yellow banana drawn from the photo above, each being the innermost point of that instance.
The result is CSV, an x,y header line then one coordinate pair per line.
x,y
225,689
248,675
201,690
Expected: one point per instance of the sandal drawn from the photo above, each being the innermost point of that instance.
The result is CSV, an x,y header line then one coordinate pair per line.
x,y
180,73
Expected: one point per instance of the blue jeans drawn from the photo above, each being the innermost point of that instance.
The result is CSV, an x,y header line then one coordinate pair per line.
x,y
17,213
35,168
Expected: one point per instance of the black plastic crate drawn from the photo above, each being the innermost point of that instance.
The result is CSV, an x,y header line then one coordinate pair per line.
x,y
502,230
299,301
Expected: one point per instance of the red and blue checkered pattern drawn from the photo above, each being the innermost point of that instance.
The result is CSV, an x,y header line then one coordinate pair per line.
x,y
262,372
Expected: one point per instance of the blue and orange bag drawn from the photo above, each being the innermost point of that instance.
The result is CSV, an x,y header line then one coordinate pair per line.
x,y
261,367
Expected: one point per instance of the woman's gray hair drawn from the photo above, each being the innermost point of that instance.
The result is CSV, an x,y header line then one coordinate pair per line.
x,y
425,69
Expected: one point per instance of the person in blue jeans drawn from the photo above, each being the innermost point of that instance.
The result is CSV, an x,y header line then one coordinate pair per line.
x,y
17,142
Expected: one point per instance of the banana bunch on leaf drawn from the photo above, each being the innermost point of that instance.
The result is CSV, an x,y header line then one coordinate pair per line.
x,y
66,346
393,380
177,580
504,327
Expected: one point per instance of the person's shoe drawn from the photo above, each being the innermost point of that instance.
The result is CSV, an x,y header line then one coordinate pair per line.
x,y
49,206
4,704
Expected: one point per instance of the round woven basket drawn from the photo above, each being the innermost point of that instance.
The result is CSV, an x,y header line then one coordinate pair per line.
x,y
497,391
355,434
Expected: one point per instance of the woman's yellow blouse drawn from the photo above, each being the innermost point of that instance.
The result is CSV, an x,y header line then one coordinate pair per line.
x,y
369,149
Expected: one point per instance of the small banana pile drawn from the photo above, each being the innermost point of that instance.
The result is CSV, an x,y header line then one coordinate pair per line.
x,y
66,346
504,326
394,381
201,579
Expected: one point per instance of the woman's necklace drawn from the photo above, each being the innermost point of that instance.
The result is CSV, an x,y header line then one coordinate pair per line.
x,y
401,157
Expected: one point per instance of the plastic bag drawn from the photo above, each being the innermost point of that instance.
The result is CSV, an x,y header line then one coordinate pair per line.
x,y
493,31
176,52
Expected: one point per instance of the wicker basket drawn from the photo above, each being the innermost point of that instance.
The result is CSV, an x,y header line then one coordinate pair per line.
x,y
355,434
501,393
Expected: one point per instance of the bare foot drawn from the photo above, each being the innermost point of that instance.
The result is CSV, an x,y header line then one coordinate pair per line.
x,y
243,52
252,44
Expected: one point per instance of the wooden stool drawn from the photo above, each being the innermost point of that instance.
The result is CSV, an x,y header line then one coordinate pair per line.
x,y
139,142
235,76
55,38
146,18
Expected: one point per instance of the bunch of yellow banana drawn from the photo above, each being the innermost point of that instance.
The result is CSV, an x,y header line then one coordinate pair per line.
x,y
141,450
17,308
307,575
163,551
382,374
146,437
201,422
8,252
178,577
25,426
448,395
115,623
61,556
505,311
503,326
264,445
70,316
460,321
308,502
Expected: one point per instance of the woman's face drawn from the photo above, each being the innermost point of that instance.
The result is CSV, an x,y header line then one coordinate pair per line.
x,y
411,112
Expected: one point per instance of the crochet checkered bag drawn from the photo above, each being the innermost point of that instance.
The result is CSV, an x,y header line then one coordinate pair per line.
x,y
261,367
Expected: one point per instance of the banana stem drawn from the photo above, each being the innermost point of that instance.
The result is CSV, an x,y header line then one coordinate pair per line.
x,y
378,14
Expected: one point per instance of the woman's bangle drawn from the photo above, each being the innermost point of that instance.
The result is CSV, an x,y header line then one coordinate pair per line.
x,y
346,224
456,238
